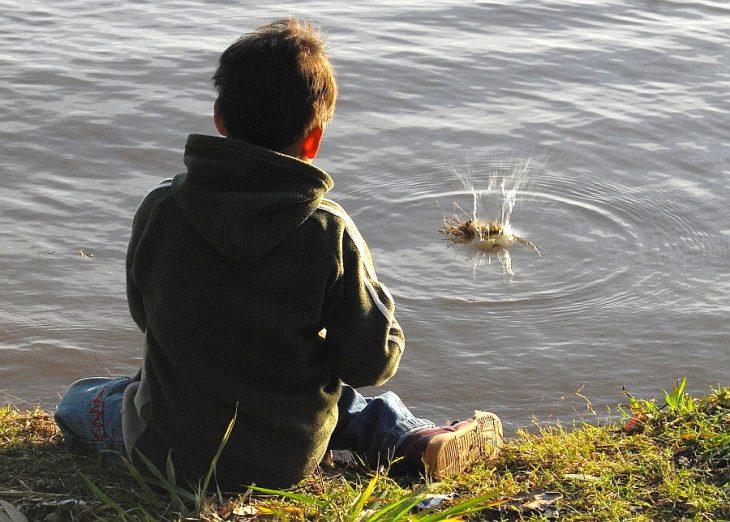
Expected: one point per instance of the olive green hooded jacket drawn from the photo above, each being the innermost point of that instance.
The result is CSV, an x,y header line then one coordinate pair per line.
x,y
257,298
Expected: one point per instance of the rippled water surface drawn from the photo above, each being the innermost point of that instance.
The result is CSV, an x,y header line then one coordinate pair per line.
x,y
616,114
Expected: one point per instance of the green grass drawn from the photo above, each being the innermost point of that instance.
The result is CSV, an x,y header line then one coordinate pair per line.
x,y
666,459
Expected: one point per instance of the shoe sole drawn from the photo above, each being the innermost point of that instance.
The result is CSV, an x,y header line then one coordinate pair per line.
x,y
452,453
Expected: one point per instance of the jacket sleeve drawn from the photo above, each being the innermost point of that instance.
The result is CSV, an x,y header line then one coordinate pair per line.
x,y
364,340
134,296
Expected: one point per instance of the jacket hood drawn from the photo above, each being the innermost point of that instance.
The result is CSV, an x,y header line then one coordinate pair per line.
x,y
245,199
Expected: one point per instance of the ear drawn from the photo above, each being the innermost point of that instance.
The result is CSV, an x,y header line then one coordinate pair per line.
x,y
310,142
218,120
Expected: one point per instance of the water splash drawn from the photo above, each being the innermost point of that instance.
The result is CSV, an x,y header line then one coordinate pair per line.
x,y
488,234
504,182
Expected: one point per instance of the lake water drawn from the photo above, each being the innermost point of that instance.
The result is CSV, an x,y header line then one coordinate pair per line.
x,y
616,114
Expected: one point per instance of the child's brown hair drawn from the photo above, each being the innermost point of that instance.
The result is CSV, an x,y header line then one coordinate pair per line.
x,y
275,84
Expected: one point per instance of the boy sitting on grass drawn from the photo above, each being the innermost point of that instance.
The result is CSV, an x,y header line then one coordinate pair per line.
x,y
258,298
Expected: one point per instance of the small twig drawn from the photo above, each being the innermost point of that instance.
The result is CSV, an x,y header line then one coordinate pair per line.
x,y
626,392
14,493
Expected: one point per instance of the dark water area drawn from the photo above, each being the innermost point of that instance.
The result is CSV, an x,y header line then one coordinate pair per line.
x,y
615,116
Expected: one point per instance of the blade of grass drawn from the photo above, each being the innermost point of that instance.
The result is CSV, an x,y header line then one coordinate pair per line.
x,y
287,494
363,497
464,508
104,498
214,462
173,490
141,481
397,509
147,516
170,469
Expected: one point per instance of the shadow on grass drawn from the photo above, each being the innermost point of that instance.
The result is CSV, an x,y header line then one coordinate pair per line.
x,y
42,478
46,480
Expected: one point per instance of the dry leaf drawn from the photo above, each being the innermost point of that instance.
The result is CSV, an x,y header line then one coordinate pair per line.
x,y
9,513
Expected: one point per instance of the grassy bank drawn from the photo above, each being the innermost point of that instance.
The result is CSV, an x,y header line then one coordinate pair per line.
x,y
666,460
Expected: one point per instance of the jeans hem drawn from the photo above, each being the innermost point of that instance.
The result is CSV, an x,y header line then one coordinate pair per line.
x,y
399,433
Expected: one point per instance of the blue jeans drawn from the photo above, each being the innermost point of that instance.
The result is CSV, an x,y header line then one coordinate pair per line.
x,y
90,416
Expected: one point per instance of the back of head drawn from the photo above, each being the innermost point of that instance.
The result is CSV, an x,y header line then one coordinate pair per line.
x,y
275,85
